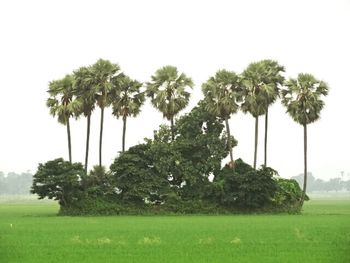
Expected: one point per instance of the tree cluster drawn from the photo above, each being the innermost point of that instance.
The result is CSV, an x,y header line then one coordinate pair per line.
x,y
183,175
15,184
319,185
183,157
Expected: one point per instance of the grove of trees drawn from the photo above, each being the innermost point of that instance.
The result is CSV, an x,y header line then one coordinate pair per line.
x,y
172,170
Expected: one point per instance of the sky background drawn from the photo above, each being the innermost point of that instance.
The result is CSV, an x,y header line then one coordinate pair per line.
x,y
43,40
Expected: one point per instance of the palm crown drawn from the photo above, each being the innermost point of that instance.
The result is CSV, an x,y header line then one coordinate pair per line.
x,y
61,102
261,81
221,93
127,97
85,90
302,98
102,73
167,91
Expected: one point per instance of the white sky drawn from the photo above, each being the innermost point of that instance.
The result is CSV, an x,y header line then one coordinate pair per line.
x,y
44,40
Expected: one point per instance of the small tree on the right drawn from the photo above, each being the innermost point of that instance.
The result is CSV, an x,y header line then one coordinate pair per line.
x,y
303,99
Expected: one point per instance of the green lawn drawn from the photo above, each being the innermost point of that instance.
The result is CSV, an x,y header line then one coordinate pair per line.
x,y
31,232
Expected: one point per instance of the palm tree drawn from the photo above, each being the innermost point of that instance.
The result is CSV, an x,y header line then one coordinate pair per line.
x,y
168,94
302,98
272,79
126,99
62,105
254,96
85,93
102,72
221,93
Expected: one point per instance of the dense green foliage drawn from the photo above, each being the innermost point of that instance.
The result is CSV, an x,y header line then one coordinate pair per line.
x,y
31,233
246,188
59,180
168,176
137,178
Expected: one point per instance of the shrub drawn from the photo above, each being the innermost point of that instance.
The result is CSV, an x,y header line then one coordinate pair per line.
x,y
288,195
245,188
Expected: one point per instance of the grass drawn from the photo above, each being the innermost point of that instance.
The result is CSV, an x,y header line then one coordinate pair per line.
x,y
31,232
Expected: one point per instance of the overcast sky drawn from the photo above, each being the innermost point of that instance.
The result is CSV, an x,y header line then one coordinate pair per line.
x,y
44,40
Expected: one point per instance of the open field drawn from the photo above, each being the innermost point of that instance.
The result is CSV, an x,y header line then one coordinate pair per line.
x,y
30,232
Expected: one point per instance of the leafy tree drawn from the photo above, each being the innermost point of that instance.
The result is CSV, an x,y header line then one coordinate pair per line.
x,y
221,93
102,73
85,92
168,93
62,104
59,180
302,98
127,99
163,169
137,178
260,89
195,154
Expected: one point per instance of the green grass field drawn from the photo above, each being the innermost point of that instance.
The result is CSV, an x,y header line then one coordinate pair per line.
x,y
31,232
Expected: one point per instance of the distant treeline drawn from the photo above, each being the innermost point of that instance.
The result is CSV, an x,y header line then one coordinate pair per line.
x,y
15,184
319,185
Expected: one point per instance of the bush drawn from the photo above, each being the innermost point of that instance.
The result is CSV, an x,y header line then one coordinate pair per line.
x,y
102,205
245,188
288,195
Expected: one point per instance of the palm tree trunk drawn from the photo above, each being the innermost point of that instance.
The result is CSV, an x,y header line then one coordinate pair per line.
x,y
256,139
101,134
229,142
124,131
69,142
172,128
266,126
87,142
305,166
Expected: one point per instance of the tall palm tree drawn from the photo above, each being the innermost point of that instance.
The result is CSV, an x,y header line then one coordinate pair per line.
x,y
221,93
254,97
62,105
302,98
85,92
102,72
126,99
168,94
272,80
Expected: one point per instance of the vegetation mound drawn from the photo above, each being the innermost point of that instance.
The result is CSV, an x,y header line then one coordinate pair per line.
x,y
165,176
